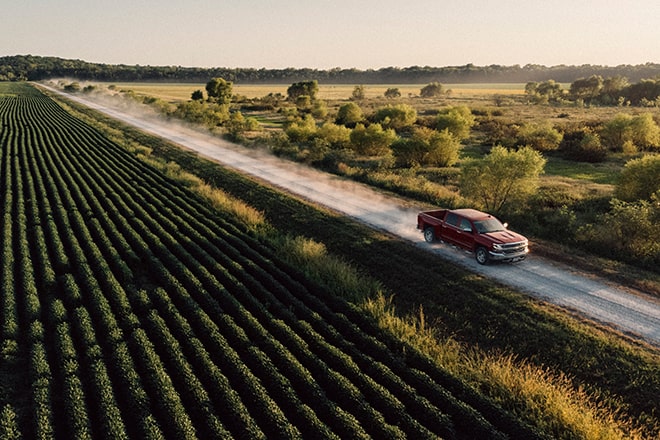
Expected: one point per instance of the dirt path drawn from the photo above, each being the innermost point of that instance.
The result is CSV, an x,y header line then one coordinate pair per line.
x,y
636,315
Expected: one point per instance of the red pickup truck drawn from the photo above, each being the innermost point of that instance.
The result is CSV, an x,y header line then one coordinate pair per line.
x,y
475,231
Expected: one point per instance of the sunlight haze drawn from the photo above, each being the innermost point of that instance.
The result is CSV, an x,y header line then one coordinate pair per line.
x,y
339,33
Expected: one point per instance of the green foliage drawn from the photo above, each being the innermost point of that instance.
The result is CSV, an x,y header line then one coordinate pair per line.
x,y
544,91
639,179
301,130
458,120
397,116
431,90
392,92
583,144
540,136
628,133
358,93
308,88
586,89
197,95
503,177
219,90
198,112
427,147
337,136
628,231
349,114
372,140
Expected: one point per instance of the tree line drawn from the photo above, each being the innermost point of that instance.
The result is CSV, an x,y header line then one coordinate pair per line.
x,y
35,68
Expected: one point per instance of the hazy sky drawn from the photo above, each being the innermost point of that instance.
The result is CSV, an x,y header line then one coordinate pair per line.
x,y
334,33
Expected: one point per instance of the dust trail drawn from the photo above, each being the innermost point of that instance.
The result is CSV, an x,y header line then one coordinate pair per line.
x,y
637,315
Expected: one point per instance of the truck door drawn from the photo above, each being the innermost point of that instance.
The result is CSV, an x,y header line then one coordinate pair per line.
x,y
465,234
450,228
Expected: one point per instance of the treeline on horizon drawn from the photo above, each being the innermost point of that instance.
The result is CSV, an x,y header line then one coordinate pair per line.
x,y
36,68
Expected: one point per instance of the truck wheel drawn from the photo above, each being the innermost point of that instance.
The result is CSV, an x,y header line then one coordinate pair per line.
x,y
481,254
429,235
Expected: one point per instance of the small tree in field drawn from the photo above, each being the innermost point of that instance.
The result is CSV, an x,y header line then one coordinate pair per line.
x,y
349,115
220,90
502,177
639,179
431,90
372,140
396,116
309,88
458,120
541,136
358,93
392,93
427,147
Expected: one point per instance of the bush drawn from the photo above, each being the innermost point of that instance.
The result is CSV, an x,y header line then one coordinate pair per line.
x,y
540,136
396,116
628,231
458,120
639,179
372,140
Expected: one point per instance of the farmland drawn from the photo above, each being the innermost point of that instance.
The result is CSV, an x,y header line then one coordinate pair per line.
x,y
476,311
131,309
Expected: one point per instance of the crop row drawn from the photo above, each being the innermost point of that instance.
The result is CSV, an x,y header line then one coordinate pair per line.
x,y
140,312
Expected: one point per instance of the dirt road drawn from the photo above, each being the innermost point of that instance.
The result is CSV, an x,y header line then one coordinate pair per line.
x,y
637,315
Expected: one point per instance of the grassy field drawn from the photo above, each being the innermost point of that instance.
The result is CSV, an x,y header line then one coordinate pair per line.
x,y
451,303
178,91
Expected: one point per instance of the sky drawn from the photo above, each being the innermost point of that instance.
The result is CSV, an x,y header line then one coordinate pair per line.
x,y
369,34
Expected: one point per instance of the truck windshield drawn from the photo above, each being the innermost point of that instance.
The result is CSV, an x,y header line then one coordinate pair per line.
x,y
490,225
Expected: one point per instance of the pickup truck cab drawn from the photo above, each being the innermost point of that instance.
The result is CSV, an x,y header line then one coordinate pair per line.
x,y
475,231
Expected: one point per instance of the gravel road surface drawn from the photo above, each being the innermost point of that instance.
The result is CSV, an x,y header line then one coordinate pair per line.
x,y
637,315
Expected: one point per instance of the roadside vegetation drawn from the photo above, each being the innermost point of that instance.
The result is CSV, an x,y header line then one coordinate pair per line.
x,y
589,148
526,356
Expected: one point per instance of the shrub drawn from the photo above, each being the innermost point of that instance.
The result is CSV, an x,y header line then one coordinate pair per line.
x,y
540,136
639,179
372,140
396,116
458,120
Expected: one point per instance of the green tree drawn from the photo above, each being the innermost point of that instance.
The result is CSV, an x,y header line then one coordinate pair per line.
x,y
197,95
301,130
349,114
337,136
645,132
502,177
396,116
616,132
426,146
392,92
219,90
639,179
458,120
309,88
372,140
586,88
358,93
431,90
540,136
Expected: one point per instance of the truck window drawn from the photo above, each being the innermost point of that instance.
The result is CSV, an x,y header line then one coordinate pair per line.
x,y
452,219
466,225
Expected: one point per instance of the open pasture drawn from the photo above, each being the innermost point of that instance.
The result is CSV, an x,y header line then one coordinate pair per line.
x,y
182,91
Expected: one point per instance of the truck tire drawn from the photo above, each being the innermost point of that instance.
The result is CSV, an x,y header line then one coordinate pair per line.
x,y
429,235
481,255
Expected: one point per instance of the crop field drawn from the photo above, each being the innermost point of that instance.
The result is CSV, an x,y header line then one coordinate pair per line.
x,y
130,309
